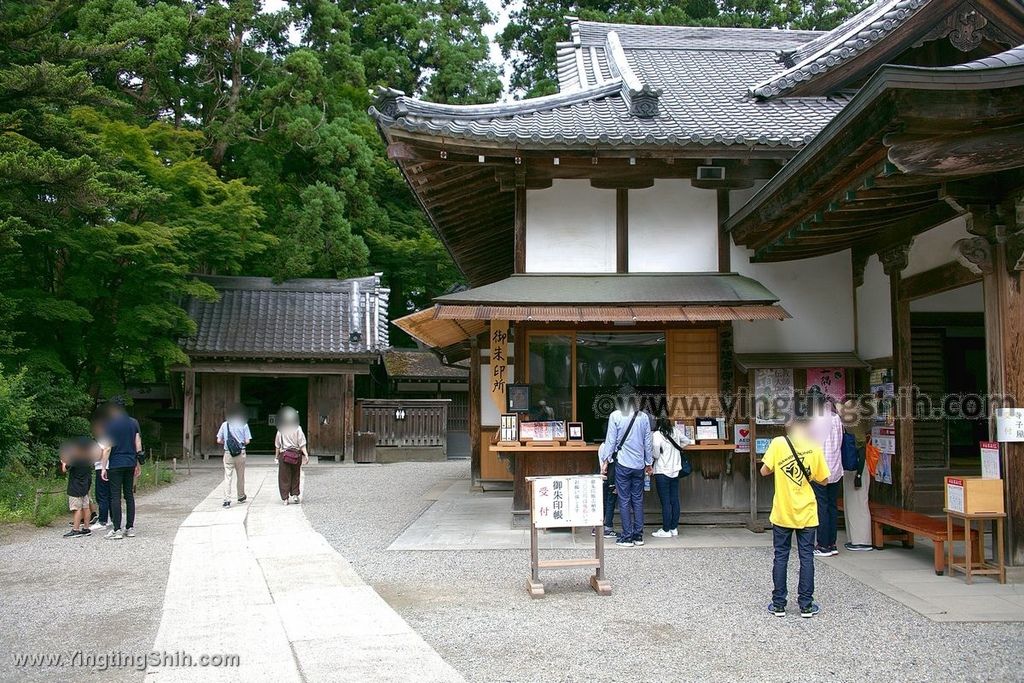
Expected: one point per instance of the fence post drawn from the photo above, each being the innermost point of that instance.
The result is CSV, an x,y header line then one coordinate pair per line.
x,y
35,505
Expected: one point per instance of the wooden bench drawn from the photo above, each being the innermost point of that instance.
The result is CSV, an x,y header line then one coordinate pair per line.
x,y
910,524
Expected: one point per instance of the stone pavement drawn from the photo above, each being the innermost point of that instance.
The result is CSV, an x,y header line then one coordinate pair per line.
x,y
256,581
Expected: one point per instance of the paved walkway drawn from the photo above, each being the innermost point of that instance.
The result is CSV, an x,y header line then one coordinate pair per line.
x,y
256,581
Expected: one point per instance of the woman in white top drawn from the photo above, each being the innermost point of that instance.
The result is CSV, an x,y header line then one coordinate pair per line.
x,y
290,453
668,460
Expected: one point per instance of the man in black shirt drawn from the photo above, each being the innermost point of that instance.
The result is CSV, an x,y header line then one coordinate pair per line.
x,y
77,459
121,444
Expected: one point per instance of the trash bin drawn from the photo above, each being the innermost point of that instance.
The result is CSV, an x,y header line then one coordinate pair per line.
x,y
366,447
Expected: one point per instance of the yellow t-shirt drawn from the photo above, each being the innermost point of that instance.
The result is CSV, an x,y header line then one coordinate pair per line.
x,y
794,505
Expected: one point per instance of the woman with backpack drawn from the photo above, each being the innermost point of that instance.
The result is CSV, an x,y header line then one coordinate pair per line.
x,y
290,454
669,463
234,435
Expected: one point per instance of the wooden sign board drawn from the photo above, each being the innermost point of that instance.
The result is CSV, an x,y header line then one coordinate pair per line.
x,y
567,501
499,362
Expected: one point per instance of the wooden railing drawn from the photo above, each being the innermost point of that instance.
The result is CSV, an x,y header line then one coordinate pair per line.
x,y
425,421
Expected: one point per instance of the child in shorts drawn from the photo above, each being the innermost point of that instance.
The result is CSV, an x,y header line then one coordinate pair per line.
x,y
77,459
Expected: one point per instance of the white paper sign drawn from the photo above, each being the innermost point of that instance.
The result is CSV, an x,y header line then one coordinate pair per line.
x,y
955,495
1010,424
989,460
567,501
742,438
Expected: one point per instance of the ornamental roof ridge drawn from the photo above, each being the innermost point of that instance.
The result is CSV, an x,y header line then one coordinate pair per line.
x,y
831,49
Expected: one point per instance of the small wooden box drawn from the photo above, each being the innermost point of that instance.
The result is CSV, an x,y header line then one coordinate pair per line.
x,y
974,495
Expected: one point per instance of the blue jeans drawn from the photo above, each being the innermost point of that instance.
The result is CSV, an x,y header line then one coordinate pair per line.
x,y
828,513
783,540
668,494
102,498
630,485
611,499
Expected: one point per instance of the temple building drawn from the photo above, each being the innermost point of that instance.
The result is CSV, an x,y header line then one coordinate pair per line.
x,y
704,212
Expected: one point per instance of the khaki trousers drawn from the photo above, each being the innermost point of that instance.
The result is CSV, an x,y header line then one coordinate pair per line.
x,y
855,508
234,467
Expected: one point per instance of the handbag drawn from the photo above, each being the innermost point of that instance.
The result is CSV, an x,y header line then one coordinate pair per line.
x,y
685,466
291,456
232,444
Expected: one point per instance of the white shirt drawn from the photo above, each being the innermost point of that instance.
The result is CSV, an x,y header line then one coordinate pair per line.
x,y
239,430
668,460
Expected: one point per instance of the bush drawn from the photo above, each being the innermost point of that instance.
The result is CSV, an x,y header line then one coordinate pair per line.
x,y
16,413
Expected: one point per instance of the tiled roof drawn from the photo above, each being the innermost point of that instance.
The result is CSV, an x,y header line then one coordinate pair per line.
x,y
420,365
668,85
839,45
297,319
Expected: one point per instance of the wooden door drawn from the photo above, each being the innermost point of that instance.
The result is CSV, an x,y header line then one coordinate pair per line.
x,y
692,372
330,414
928,370
218,393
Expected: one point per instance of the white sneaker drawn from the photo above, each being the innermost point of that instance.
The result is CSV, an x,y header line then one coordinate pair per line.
x,y
96,526
114,535
661,533
287,501
675,532
295,500
130,532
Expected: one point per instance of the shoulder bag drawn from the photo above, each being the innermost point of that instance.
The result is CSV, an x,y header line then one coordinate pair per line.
x,y
799,461
686,467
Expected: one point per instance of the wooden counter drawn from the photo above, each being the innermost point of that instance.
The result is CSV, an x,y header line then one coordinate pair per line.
x,y
541,461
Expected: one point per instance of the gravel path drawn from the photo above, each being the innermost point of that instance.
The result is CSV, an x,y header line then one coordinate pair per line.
x,y
87,594
679,615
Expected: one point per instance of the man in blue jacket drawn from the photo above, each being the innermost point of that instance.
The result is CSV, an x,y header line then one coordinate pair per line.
x,y
631,452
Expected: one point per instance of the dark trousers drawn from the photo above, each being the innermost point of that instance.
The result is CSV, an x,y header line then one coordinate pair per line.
x,y
783,540
611,499
630,485
102,498
288,478
668,493
122,482
828,513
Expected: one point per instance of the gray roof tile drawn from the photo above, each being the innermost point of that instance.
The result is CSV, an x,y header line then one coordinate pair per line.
x,y
703,75
298,319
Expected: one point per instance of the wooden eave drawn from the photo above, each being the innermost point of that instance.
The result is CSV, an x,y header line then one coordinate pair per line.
x,y
897,161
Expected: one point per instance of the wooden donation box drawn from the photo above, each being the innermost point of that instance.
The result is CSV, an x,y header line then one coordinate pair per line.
x,y
974,495
567,502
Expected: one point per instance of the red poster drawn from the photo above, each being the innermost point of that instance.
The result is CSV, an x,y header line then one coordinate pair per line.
x,y
829,381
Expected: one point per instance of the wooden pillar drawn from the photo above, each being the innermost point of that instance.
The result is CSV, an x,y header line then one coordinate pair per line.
x,y
724,240
621,230
1004,337
349,421
474,411
520,227
894,261
188,420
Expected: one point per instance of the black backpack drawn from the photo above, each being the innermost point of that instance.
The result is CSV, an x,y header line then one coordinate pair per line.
x,y
231,443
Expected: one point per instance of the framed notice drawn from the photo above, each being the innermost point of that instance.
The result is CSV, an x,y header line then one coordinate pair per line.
x,y
567,501
742,438
1010,424
575,431
518,398
545,430
706,428
990,460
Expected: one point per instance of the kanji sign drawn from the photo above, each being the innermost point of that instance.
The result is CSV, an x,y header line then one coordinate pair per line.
x,y
567,501
499,363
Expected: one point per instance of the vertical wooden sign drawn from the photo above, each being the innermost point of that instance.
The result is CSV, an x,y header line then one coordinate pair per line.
x,y
499,363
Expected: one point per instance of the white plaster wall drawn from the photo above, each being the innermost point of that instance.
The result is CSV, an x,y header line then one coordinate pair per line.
x,y
737,198
966,299
817,292
570,228
874,313
673,228
935,247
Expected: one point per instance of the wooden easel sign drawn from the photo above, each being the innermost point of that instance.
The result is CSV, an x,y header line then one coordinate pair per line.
x,y
564,502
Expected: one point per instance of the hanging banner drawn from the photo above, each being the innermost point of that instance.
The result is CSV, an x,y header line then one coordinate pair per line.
x,y
773,395
499,363
829,381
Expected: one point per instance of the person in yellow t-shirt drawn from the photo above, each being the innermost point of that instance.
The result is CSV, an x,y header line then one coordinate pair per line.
x,y
795,460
